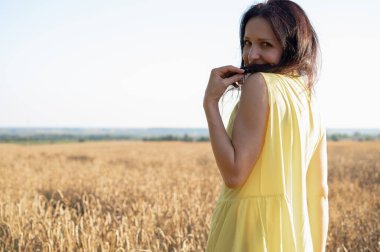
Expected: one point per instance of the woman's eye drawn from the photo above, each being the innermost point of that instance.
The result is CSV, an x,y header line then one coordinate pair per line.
x,y
265,44
246,42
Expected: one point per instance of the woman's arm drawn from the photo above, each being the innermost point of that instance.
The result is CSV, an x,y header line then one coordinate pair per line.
x,y
236,157
317,196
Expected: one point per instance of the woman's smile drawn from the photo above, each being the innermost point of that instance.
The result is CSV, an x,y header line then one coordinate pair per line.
x,y
260,43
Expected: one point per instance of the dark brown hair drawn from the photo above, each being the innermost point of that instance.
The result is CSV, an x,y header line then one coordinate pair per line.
x,y
295,33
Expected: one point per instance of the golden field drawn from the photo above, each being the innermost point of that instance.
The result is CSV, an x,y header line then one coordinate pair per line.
x,y
155,196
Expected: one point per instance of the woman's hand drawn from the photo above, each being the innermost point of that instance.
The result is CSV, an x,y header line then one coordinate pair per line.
x,y
220,79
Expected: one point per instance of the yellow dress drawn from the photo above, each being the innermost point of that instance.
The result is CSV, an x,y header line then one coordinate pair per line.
x,y
269,211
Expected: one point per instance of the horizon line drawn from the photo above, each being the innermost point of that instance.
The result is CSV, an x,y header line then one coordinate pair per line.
x,y
144,127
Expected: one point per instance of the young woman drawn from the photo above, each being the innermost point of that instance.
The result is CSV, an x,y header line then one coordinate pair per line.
x,y
273,155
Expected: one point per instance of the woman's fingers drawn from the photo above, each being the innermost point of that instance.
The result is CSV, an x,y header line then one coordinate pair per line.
x,y
232,69
227,71
233,79
230,75
220,79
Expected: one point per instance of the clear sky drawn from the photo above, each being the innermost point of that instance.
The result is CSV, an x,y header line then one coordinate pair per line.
x,y
145,63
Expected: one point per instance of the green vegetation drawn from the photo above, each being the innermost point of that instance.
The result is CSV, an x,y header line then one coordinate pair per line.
x,y
184,138
355,137
64,138
49,138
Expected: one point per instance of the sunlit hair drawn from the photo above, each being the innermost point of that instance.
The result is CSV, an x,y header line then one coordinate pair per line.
x,y
294,32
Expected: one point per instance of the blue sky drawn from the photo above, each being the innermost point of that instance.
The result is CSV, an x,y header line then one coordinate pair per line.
x,y
146,63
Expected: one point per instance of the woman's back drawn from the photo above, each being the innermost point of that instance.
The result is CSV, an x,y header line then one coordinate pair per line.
x,y
269,211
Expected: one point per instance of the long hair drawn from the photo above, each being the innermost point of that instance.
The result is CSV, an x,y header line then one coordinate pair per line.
x,y
294,31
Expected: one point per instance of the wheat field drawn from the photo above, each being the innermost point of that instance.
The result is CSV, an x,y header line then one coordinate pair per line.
x,y
155,196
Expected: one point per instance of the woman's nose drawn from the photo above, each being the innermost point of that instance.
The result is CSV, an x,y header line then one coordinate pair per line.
x,y
253,55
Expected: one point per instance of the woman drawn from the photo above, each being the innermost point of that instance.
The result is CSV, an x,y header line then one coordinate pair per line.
x,y
272,156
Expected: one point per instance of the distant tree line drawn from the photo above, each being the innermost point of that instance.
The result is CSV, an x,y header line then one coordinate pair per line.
x,y
355,137
330,137
52,138
184,138
42,138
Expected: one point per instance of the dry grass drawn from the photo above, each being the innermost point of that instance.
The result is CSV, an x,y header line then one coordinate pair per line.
x,y
140,196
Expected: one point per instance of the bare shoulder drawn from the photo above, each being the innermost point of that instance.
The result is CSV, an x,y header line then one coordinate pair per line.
x,y
254,105
256,78
255,87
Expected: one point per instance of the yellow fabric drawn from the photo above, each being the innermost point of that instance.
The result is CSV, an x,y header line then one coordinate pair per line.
x,y
269,211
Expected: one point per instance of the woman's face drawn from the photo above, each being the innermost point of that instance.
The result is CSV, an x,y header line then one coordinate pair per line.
x,y
260,43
